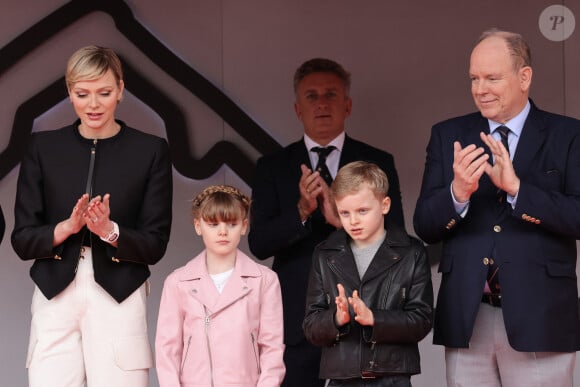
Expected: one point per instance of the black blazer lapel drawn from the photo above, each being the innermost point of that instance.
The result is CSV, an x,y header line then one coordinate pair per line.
x,y
288,168
299,155
350,152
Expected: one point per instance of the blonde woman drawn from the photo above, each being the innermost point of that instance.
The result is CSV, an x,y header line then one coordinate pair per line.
x,y
93,210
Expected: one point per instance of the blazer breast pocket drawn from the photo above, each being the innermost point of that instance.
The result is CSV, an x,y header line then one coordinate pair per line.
x,y
549,179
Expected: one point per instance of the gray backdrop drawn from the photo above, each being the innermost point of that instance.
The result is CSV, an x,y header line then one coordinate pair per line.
x,y
409,61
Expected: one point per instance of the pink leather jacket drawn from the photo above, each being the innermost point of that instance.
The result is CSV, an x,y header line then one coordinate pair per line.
x,y
230,339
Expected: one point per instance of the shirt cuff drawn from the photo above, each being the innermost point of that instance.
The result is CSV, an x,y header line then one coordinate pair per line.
x,y
460,207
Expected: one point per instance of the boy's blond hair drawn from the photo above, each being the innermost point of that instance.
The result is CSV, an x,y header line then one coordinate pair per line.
x,y
353,176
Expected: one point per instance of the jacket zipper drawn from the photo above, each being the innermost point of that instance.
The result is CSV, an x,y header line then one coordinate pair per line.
x,y
207,321
386,291
185,355
372,363
255,353
90,177
373,343
89,190
382,305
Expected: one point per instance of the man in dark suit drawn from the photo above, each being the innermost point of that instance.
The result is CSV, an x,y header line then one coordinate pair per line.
x,y
291,210
508,217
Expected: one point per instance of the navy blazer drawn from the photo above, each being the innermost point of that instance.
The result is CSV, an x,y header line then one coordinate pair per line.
x,y
276,228
534,244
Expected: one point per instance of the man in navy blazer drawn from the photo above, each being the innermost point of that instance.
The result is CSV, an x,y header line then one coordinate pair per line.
x,y
291,211
510,214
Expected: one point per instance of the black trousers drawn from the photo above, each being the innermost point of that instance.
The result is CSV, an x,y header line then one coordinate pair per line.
x,y
302,365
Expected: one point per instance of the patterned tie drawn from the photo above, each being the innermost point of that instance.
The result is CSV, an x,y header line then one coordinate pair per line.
x,y
503,134
492,270
321,166
492,280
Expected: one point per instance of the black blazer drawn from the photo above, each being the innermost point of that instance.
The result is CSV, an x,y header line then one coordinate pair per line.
x,y
276,229
132,166
534,244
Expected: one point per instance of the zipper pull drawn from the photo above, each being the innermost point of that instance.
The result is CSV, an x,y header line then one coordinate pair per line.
x,y
89,187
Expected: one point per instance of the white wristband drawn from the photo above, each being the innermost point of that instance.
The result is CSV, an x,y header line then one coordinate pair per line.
x,y
113,235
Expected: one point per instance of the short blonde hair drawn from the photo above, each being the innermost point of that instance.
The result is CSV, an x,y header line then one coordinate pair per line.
x,y
357,174
221,203
92,62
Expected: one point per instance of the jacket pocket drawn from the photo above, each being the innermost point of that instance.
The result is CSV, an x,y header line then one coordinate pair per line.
x,y
402,297
256,353
557,269
133,353
185,354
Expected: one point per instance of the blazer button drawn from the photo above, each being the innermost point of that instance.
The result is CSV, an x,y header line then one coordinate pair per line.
x,y
486,261
497,228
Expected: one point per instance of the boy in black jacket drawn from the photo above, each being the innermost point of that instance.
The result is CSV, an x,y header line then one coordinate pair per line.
x,y
370,297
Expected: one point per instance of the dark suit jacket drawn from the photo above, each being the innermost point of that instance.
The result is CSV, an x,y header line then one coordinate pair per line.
x,y
534,244
133,167
276,229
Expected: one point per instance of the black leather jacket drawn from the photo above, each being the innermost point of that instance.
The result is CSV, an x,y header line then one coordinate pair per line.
x,y
396,287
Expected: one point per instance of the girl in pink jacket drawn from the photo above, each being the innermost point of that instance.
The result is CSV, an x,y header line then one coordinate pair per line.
x,y
220,318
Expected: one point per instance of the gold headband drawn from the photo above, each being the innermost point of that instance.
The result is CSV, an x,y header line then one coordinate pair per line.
x,y
228,189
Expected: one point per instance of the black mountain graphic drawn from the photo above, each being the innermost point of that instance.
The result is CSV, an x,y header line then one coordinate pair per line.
x,y
223,152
